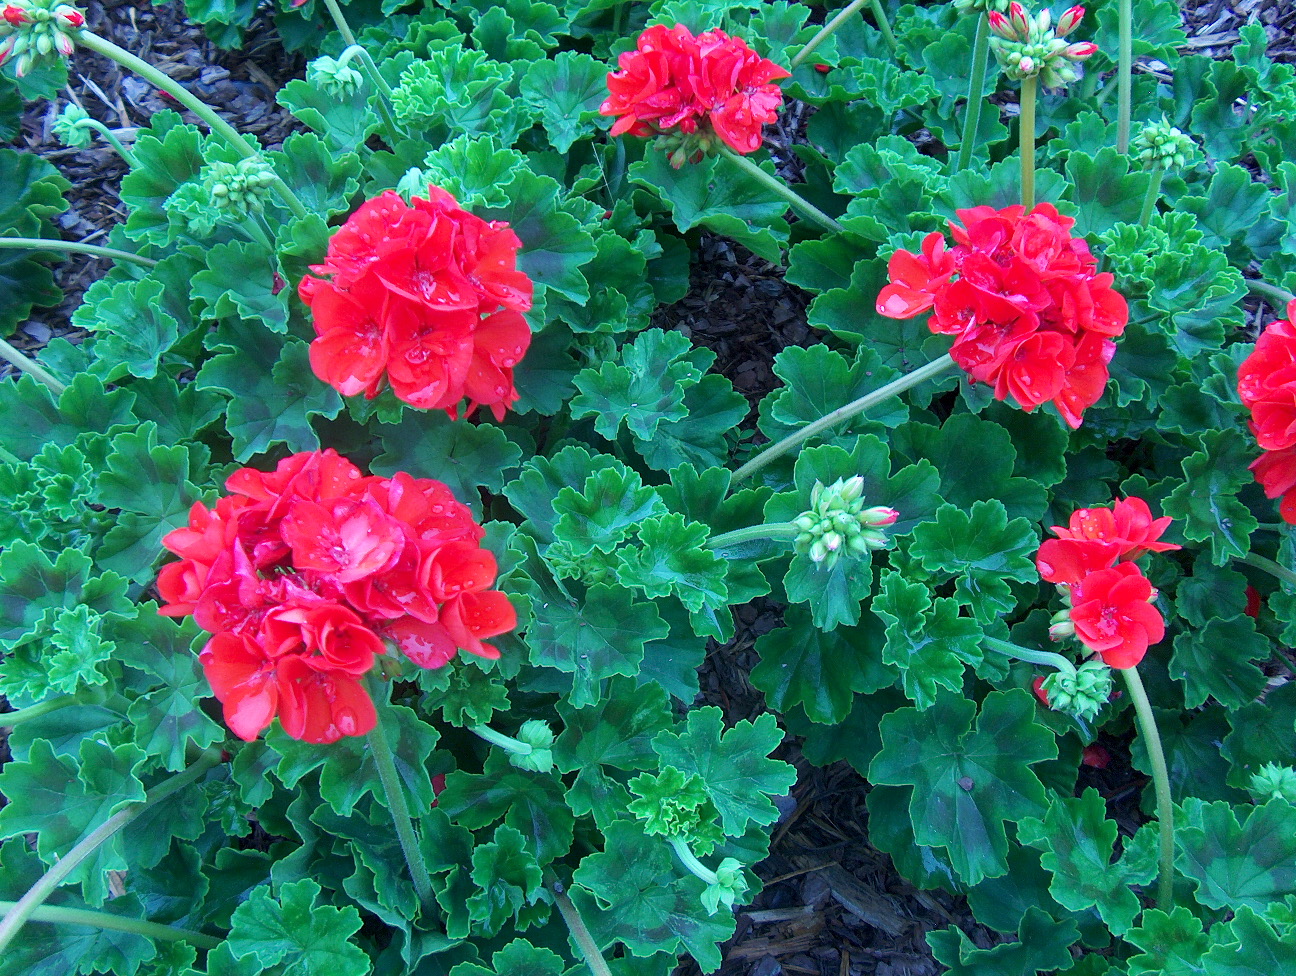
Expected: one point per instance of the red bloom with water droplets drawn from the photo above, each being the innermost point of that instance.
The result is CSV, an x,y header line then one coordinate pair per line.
x,y
1113,614
1029,311
425,298
698,88
1267,386
305,575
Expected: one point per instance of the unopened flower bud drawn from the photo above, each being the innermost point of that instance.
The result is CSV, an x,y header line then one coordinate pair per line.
x,y
1272,780
1080,693
879,515
1080,51
14,15
1000,25
540,738
818,551
1163,146
68,127
1019,19
333,77
1069,21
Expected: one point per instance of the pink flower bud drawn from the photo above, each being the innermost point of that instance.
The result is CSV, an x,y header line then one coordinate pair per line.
x,y
880,515
1027,65
64,45
1020,20
69,17
15,15
6,49
999,25
1078,52
1069,21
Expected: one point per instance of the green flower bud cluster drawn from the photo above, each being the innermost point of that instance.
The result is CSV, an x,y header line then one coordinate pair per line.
x,y
334,77
1272,780
34,29
69,127
540,738
838,523
241,188
979,6
677,805
1162,146
1081,692
728,887
1029,46
688,147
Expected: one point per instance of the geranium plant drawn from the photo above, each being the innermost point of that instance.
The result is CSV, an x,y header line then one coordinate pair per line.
x,y
420,692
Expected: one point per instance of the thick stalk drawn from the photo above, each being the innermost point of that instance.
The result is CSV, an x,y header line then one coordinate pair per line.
x,y
1251,559
186,98
869,400
580,932
20,911
690,861
9,719
116,923
74,247
1160,782
798,202
1151,197
1279,297
111,139
980,58
827,30
1029,89
14,358
505,742
375,77
1124,75
752,533
1046,658
396,803
884,25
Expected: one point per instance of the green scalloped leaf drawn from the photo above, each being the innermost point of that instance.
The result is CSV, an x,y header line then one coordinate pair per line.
x,y
1239,857
927,641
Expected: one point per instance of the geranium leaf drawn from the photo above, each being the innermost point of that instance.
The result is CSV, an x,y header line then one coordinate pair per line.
x,y
474,168
566,91
715,409
644,389
734,765
239,281
929,643
322,181
168,154
534,491
671,558
1173,944
531,803
518,958
288,927
1214,660
1238,861
1042,944
508,876
1261,732
31,417
1207,502
1078,842
982,550
1254,948
1104,190
464,456
967,782
612,501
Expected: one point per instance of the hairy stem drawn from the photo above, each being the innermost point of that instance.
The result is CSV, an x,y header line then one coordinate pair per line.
x,y
866,402
505,742
1278,297
976,82
798,202
1151,197
580,932
14,358
1160,782
1251,559
1046,658
884,25
116,923
827,30
74,247
752,533
1029,89
20,911
186,98
1124,74
9,719
396,802
690,861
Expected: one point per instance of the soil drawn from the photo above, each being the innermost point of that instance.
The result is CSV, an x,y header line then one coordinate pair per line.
x,y
832,905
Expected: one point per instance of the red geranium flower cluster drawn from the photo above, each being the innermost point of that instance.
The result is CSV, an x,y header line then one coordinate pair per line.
x,y
424,297
303,573
1093,558
1267,386
1030,312
712,85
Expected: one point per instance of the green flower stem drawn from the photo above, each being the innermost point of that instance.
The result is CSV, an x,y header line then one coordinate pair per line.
x,y
692,863
1029,89
1124,74
12,356
752,533
1160,781
17,913
9,719
798,202
1251,559
116,923
1151,197
827,30
854,408
74,247
505,742
186,98
396,802
580,932
884,25
980,59
375,76
111,139
255,232
1279,297
1046,658
8,457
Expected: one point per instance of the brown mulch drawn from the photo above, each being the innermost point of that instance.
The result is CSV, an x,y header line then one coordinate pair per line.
x,y
832,904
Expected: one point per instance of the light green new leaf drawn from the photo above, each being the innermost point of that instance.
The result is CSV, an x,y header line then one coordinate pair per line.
x,y
644,389
967,782
288,927
612,501
132,327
